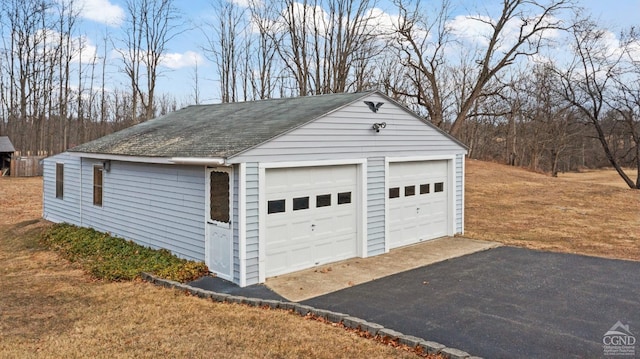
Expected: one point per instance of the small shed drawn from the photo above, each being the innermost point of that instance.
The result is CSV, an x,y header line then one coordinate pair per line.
x,y
6,151
263,188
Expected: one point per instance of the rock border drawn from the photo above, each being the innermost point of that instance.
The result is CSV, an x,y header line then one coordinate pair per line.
x,y
348,321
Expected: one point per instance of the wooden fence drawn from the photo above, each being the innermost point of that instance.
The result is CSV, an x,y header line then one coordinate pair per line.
x,y
28,165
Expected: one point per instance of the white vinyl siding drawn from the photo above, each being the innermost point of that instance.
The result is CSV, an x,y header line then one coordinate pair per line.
x,y
160,206
459,194
375,206
252,224
67,208
347,133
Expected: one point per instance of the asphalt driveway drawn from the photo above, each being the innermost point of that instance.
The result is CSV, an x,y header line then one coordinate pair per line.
x,y
504,303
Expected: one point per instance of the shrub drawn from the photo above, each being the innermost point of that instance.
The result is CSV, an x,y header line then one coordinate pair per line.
x,y
116,259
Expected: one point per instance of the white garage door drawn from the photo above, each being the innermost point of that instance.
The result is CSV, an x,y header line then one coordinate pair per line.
x,y
418,201
311,217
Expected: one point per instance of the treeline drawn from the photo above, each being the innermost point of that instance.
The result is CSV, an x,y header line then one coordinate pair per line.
x,y
56,91
534,84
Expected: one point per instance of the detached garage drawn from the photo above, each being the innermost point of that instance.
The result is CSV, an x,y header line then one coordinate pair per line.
x,y
259,189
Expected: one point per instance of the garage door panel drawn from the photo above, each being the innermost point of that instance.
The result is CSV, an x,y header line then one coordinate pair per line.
x,y
317,234
422,215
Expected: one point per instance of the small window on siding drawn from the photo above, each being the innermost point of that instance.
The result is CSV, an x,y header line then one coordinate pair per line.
x,y
59,180
409,191
300,203
97,185
344,197
438,187
276,206
424,188
394,192
323,200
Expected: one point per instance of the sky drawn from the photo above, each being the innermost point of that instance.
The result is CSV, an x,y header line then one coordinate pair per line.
x,y
103,18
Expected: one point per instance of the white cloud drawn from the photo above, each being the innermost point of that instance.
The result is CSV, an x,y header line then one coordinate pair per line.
x,y
381,23
313,16
473,29
242,3
634,50
86,52
102,11
177,60
610,43
80,47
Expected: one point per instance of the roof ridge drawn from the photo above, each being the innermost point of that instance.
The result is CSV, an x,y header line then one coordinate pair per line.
x,y
284,98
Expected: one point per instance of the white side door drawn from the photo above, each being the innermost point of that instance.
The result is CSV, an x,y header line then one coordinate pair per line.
x,y
219,237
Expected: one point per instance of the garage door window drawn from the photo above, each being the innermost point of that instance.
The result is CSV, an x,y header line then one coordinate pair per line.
x,y
276,206
300,203
438,187
344,197
424,188
394,192
323,200
409,191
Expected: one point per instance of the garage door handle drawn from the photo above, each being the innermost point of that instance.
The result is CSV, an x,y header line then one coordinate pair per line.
x,y
313,227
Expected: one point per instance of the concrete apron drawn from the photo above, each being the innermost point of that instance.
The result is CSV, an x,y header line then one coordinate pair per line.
x,y
320,280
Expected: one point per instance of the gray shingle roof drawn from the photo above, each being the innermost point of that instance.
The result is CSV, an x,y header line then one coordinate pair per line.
x,y
220,130
6,145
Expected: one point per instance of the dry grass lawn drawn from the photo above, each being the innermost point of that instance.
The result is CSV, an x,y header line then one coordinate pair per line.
x,y
604,177
51,309
590,213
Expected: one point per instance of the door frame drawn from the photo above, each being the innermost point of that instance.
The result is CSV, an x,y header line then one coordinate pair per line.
x,y
451,189
361,205
208,222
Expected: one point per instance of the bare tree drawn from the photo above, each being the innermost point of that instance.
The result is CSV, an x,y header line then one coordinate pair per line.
x,y
324,46
196,84
224,46
423,40
263,73
627,100
550,123
588,84
149,27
